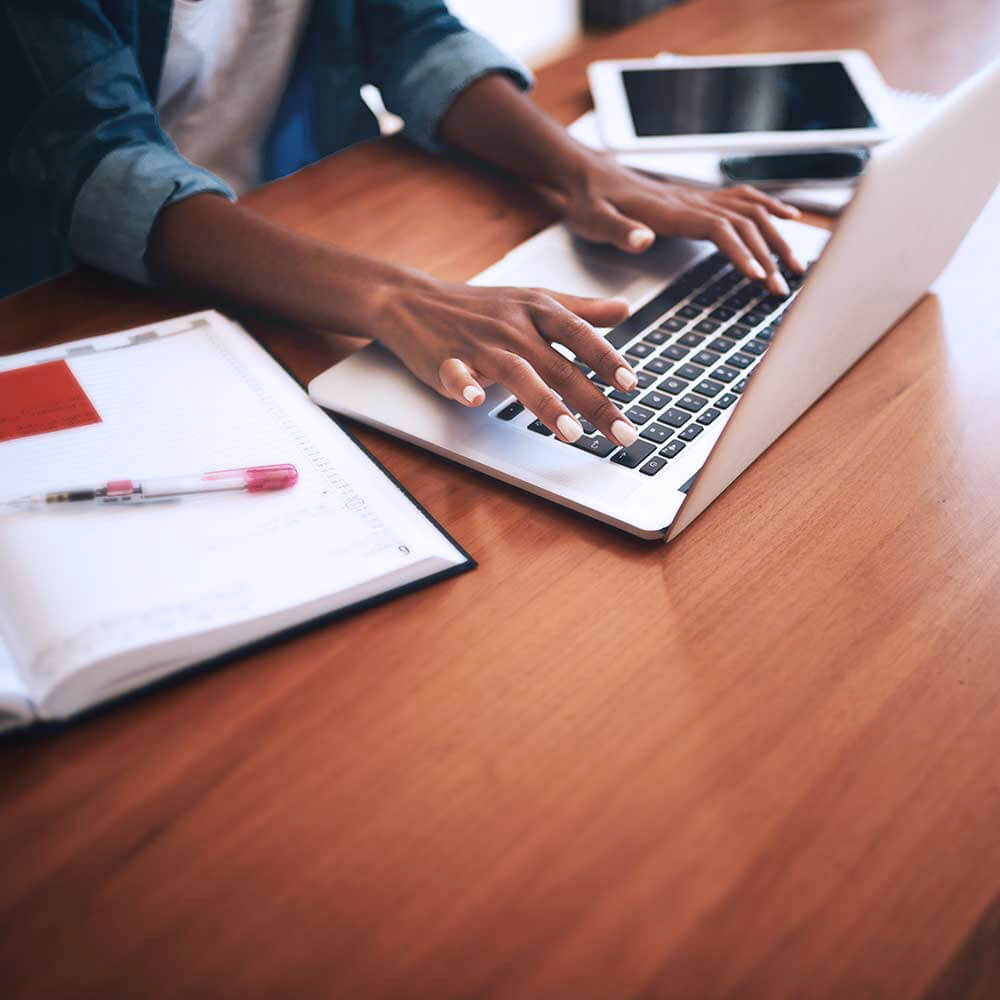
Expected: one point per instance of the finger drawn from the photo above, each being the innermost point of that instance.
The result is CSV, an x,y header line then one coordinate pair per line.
x,y
722,233
770,231
562,325
605,224
521,378
585,397
459,383
598,312
747,192
754,240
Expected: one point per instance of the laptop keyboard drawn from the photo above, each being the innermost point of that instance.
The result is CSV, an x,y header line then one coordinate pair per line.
x,y
693,348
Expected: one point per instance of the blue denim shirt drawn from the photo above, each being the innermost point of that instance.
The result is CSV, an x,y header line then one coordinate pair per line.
x,y
87,166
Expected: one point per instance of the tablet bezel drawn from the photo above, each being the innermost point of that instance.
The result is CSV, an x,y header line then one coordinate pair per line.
x,y
618,132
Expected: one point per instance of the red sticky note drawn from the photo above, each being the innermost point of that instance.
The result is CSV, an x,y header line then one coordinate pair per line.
x,y
42,398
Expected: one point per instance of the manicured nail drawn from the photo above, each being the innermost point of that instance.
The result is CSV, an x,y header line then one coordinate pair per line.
x,y
568,428
757,271
797,264
639,239
793,211
779,284
473,393
625,434
625,380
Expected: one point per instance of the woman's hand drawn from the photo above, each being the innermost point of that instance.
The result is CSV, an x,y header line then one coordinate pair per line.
x,y
461,338
608,203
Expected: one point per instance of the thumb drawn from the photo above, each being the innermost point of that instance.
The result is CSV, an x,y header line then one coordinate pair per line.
x,y
459,383
607,225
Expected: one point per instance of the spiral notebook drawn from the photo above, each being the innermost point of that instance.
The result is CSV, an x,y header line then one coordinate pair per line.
x,y
98,600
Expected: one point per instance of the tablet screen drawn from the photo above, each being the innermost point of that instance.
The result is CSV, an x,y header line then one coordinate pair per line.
x,y
771,98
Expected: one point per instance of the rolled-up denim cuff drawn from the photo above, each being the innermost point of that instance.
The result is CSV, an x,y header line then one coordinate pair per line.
x,y
442,73
117,205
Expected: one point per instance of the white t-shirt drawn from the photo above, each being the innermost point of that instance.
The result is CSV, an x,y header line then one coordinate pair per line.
x,y
226,66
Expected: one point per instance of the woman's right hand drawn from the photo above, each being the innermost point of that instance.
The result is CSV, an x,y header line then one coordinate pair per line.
x,y
459,339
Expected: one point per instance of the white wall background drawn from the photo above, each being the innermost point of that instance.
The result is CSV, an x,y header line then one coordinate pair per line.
x,y
535,30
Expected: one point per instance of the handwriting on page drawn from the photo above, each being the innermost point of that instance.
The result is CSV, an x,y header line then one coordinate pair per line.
x,y
42,398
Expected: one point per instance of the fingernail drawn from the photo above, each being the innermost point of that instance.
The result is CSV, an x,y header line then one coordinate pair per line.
x,y
625,434
797,264
473,393
793,211
639,239
779,284
757,271
625,380
568,428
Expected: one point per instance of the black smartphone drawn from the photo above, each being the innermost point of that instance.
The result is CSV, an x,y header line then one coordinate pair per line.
x,y
780,169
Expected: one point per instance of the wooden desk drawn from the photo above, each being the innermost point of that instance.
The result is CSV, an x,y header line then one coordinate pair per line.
x,y
758,763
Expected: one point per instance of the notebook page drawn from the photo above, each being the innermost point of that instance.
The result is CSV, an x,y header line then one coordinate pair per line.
x,y
191,395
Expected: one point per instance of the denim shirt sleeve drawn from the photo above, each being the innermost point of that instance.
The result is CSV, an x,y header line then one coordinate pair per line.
x,y
422,58
92,140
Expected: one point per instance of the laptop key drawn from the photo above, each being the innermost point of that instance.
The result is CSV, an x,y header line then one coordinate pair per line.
x,y
597,380
689,311
539,428
510,411
709,415
690,372
740,359
721,345
706,298
624,397
673,385
706,358
767,334
709,388
658,366
725,374
674,417
672,324
690,339
656,400
644,379
674,352
639,350
638,415
588,427
753,318
690,432
673,449
738,331
597,445
630,457
692,402
722,314
741,385
707,326
656,433
653,466
725,401
753,346
656,337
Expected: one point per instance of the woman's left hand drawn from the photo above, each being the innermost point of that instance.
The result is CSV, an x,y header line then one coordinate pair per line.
x,y
609,203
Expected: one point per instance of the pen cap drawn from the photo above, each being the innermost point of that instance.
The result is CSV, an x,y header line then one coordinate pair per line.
x,y
271,477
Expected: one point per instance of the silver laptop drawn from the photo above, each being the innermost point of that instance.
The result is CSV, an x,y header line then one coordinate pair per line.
x,y
724,366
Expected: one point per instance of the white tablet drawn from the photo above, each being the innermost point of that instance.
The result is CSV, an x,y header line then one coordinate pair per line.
x,y
781,100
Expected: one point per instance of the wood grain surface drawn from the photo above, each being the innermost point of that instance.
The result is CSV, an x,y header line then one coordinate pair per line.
x,y
760,762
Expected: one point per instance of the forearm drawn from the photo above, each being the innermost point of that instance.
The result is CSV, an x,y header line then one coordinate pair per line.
x,y
207,243
493,120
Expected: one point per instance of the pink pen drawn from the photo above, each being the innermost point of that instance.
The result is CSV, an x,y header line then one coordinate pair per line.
x,y
254,480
